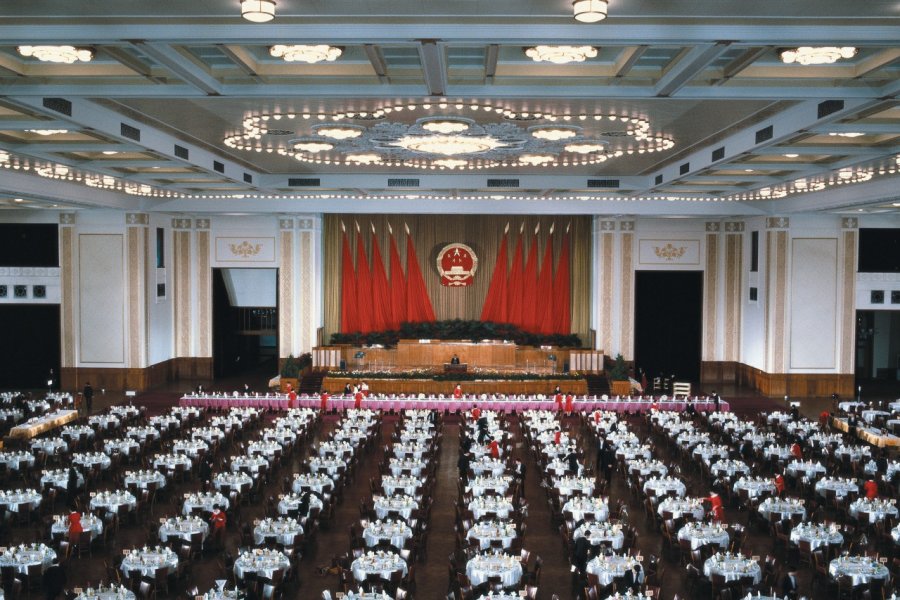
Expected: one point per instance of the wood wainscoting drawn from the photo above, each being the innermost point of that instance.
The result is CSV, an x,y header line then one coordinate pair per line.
x,y
774,385
184,368
335,385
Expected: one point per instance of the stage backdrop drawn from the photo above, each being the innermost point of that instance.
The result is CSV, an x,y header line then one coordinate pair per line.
x,y
483,233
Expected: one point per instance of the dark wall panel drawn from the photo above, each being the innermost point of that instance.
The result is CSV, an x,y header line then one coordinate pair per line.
x,y
29,245
30,346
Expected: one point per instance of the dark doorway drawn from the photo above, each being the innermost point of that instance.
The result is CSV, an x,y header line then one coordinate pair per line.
x,y
245,322
878,353
31,345
668,313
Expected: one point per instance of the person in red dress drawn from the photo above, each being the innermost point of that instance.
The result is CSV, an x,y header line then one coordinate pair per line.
x,y
457,391
476,413
597,416
494,448
871,489
570,403
218,520
559,401
358,398
75,527
292,397
796,451
324,401
779,484
715,503
557,437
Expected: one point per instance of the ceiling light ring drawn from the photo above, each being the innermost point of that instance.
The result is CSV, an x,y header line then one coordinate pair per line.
x,y
64,54
307,53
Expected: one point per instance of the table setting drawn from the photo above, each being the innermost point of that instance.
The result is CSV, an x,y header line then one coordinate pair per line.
x,y
701,534
785,508
126,446
405,485
730,468
401,504
16,500
193,447
841,486
413,450
494,564
598,532
16,459
170,462
410,465
282,530
142,434
60,526
805,468
25,555
568,486
231,480
874,509
210,435
335,448
676,508
496,505
105,422
583,507
646,468
147,561
755,486
817,535
314,482
330,465
609,568
634,451
283,437
270,450
112,500
50,445
395,533
111,592
124,411
663,486
89,460
252,465
733,567
76,432
378,563
489,531
288,503
861,569
59,478
709,453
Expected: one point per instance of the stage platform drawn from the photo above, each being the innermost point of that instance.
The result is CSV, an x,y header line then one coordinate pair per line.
x,y
430,387
502,404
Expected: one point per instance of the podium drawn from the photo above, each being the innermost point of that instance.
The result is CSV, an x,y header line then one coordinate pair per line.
x,y
455,368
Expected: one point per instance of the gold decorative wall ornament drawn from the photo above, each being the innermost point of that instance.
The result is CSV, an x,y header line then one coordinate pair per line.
x,y
245,249
669,252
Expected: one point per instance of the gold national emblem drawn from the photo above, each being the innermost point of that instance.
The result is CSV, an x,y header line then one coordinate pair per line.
x,y
457,264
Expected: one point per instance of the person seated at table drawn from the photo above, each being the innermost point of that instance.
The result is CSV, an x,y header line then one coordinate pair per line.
x,y
797,451
457,391
218,522
454,360
779,484
632,578
347,389
75,527
871,489
747,450
205,470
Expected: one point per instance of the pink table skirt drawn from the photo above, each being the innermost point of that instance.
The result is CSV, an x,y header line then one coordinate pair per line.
x,y
396,403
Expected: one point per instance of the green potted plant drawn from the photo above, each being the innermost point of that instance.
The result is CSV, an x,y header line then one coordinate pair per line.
x,y
290,373
618,377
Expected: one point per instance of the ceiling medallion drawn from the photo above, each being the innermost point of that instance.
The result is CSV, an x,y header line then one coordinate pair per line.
x,y
810,55
448,145
445,130
590,11
445,126
560,55
57,54
339,132
554,134
258,11
305,53
311,146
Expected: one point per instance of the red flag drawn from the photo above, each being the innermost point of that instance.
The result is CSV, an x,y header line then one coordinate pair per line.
x,y
418,305
363,286
495,304
544,322
562,292
381,300
529,286
514,301
349,324
398,286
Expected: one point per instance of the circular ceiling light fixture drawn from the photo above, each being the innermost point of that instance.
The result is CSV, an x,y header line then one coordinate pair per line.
x,y
536,160
57,54
812,55
339,132
553,133
806,185
846,134
47,131
445,126
560,55
586,147
448,145
305,53
364,159
451,163
590,11
258,11
312,146
55,171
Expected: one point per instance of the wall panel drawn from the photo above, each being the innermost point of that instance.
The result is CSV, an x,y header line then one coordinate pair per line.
x,y
101,268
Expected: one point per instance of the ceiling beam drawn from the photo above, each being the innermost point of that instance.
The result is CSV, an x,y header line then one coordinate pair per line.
x,y
242,59
182,66
434,66
628,58
130,61
693,62
828,150
747,58
867,128
24,125
491,56
876,61
376,57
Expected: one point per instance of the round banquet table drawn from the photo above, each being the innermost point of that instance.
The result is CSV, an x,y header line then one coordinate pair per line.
x,y
860,568
582,507
50,445
504,566
291,502
682,507
808,469
382,564
111,501
125,446
114,592
486,532
754,486
701,534
567,486
250,464
485,467
235,481
193,447
331,465
16,500
16,460
710,452
409,450
144,479
183,528
59,478
104,421
730,468
609,568
662,486
398,465
598,533
632,452
204,502
89,522
27,555
89,460
395,533
262,562
785,508
148,561
733,568
281,530
142,434
778,452
876,510
817,535
314,482
169,462
401,504
841,487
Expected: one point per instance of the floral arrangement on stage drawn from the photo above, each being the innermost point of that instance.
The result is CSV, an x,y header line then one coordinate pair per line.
x,y
474,375
457,329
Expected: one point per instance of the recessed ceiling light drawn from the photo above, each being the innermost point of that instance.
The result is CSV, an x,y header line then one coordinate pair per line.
x,y
339,132
585,147
847,134
560,55
47,131
57,54
18,200
791,155
536,159
822,55
445,126
748,170
554,134
306,53
110,152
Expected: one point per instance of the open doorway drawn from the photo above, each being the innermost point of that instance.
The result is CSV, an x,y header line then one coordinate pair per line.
x,y
878,352
668,313
245,325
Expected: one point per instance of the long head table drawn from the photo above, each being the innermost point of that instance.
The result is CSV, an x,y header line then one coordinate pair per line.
x,y
582,404
30,429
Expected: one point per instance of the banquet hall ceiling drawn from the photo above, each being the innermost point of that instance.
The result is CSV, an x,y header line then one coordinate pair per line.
x,y
686,103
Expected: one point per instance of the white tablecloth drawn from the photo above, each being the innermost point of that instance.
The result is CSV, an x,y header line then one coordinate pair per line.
x,y
860,568
183,528
378,563
396,533
483,566
701,534
733,568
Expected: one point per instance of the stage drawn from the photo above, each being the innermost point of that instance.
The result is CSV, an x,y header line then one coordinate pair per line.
x,y
448,404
